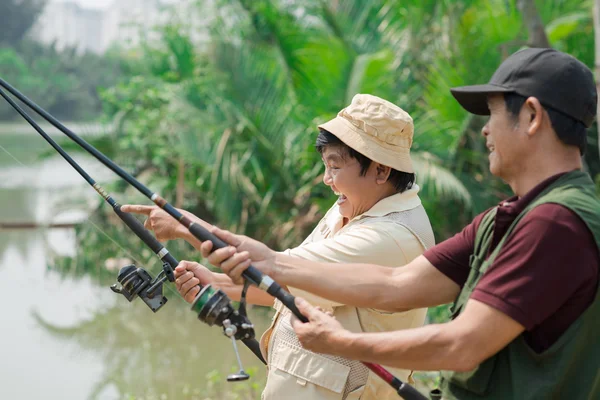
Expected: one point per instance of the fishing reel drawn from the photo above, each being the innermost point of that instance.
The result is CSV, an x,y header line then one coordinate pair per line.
x,y
215,308
137,282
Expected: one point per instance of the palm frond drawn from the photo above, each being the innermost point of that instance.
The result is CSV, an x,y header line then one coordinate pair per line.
x,y
437,181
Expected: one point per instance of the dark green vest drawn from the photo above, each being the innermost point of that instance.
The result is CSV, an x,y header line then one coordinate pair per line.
x,y
570,368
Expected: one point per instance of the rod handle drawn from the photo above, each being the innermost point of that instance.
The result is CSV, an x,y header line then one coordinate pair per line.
x,y
252,273
408,392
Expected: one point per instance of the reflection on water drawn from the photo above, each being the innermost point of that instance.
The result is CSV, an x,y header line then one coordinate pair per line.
x,y
67,336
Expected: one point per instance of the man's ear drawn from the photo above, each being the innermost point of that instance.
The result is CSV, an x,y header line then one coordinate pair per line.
x,y
534,115
382,173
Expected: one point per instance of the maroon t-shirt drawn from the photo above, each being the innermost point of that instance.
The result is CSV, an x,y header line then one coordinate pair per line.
x,y
544,277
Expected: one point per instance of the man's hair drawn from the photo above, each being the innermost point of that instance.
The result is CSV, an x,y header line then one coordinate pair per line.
x,y
569,130
401,181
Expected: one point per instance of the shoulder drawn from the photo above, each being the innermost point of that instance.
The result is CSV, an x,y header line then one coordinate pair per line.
x,y
549,237
554,219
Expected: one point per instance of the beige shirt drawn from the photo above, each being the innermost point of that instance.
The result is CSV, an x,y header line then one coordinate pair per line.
x,y
392,233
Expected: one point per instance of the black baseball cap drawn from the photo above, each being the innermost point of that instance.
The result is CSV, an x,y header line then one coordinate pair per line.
x,y
556,79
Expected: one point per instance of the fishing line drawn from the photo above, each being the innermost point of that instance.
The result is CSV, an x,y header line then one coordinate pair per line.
x,y
252,274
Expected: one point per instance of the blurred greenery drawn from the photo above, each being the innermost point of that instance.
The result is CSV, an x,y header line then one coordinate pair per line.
x,y
225,128
18,16
71,92
232,123
64,82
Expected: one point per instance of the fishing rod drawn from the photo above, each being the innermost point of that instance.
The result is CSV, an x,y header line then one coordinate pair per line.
x,y
215,307
252,274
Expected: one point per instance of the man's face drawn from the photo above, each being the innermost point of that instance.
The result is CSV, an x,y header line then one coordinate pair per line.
x,y
505,143
357,193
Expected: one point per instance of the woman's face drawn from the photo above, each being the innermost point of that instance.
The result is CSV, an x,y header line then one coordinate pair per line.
x,y
357,193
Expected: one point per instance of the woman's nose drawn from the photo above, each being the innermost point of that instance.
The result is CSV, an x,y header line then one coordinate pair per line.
x,y
327,179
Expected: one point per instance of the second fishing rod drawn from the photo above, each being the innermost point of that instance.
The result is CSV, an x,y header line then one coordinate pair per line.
x,y
252,274
215,307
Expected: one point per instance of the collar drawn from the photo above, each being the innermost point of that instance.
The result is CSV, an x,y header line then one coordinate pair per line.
x,y
406,200
398,202
516,204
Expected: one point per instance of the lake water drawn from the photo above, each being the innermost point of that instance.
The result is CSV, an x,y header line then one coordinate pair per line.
x,y
67,336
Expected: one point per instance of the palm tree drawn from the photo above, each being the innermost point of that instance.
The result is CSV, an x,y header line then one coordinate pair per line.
x,y
243,117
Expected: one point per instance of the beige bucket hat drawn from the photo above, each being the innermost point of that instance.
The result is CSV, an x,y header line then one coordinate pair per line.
x,y
377,129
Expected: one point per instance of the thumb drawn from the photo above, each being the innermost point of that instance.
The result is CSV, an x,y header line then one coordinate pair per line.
x,y
305,308
226,236
183,266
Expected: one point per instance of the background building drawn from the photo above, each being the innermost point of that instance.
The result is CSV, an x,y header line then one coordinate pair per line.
x,y
70,24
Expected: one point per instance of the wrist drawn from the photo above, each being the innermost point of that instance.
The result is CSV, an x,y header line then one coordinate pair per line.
x,y
181,232
342,343
278,266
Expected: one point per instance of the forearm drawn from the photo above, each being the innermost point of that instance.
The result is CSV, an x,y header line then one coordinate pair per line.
x,y
415,285
429,348
234,292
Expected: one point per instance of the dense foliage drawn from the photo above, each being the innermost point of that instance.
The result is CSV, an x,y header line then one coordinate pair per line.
x,y
65,82
225,126
232,122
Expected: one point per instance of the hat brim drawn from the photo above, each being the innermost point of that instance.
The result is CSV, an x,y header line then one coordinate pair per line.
x,y
474,98
395,157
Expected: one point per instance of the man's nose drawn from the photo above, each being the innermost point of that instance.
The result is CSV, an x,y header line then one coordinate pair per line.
x,y
485,131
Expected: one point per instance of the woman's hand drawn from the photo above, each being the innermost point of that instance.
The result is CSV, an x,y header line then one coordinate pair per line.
x,y
188,275
165,227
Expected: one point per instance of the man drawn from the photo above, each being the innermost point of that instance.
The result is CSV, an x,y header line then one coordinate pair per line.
x,y
523,275
378,217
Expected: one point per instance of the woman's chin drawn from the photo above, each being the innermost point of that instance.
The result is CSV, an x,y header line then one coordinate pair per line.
x,y
345,209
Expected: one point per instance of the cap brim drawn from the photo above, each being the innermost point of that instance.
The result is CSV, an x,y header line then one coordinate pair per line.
x,y
474,98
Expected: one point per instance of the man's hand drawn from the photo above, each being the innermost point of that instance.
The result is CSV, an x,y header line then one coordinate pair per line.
x,y
188,275
322,332
237,257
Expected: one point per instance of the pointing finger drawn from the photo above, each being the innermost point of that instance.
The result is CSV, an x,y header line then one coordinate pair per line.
x,y
137,209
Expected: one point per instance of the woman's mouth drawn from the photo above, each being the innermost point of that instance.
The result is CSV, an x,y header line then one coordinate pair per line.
x,y
341,198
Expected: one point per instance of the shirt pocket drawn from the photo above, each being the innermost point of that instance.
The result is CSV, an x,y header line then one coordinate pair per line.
x,y
307,373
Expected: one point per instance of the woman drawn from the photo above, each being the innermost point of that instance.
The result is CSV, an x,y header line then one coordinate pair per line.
x,y
378,219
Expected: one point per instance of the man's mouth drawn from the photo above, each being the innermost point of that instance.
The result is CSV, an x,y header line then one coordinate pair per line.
x,y
491,147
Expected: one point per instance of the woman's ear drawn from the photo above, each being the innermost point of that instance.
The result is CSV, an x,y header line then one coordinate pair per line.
x,y
382,173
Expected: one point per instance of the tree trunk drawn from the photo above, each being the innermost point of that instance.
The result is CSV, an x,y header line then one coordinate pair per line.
x,y
180,188
597,50
534,24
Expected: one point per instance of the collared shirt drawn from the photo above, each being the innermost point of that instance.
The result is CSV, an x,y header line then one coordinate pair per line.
x,y
544,277
392,233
